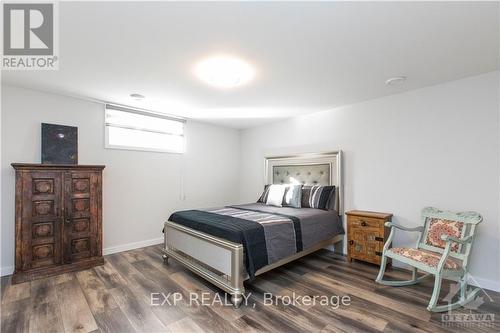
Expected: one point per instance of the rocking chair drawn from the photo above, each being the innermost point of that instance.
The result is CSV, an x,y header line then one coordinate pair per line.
x,y
442,250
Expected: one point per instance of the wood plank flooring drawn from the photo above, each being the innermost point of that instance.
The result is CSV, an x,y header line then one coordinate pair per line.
x,y
117,297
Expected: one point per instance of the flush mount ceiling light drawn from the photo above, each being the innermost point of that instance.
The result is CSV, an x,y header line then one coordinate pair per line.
x,y
395,80
137,97
224,71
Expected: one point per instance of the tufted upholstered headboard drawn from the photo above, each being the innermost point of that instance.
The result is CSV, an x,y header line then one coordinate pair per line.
x,y
307,169
312,174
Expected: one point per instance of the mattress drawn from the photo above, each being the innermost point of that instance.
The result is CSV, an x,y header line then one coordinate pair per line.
x,y
316,224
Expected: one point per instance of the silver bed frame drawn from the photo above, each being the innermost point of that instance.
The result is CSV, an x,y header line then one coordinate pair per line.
x,y
221,262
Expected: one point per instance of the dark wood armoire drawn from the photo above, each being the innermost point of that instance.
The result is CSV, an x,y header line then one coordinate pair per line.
x,y
58,219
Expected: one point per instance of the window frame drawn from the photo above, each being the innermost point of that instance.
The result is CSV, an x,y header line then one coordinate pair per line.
x,y
144,113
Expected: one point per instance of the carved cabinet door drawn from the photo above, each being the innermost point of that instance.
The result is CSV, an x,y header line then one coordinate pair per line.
x,y
374,242
81,215
357,246
40,234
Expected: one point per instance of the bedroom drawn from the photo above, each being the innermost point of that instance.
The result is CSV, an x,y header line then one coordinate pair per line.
x,y
124,115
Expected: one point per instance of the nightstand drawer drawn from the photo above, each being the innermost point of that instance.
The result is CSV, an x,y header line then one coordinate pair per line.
x,y
365,222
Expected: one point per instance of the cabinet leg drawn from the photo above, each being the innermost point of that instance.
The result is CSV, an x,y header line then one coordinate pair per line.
x,y
165,259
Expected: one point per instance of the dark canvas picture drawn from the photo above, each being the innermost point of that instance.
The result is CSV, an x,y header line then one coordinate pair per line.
x,y
59,144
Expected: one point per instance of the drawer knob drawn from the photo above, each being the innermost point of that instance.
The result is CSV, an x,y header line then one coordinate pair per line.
x,y
363,223
351,242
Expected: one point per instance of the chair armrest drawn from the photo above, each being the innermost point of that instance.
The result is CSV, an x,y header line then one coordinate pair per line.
x,y
448,238
446,252
394,226
390,224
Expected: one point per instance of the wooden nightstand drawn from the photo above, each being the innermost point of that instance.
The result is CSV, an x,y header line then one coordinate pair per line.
x,y
366,235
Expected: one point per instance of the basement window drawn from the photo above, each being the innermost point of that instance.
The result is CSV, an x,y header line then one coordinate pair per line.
x,y
133,129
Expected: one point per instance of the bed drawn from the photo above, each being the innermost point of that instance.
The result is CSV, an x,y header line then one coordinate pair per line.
x,y
228,245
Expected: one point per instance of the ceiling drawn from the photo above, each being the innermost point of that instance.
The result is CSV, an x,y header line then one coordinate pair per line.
x,y
308,56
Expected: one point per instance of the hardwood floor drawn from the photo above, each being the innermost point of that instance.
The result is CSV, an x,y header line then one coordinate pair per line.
x,y
117,297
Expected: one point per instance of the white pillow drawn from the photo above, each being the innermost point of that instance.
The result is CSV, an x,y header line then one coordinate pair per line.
x,y
275,196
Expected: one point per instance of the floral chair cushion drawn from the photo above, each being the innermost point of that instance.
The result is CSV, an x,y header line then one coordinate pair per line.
x,y
439,227
428,258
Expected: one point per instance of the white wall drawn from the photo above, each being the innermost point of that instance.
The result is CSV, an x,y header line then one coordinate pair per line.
x,y
141,189
436,146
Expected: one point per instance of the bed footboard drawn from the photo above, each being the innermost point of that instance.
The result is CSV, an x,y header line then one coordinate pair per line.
x,y
216,260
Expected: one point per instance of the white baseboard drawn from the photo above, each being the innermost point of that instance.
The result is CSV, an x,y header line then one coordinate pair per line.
x,y
8,270
131,246
473,280
486,284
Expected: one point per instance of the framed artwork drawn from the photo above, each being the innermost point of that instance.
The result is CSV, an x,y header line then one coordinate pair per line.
x,y
59,144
